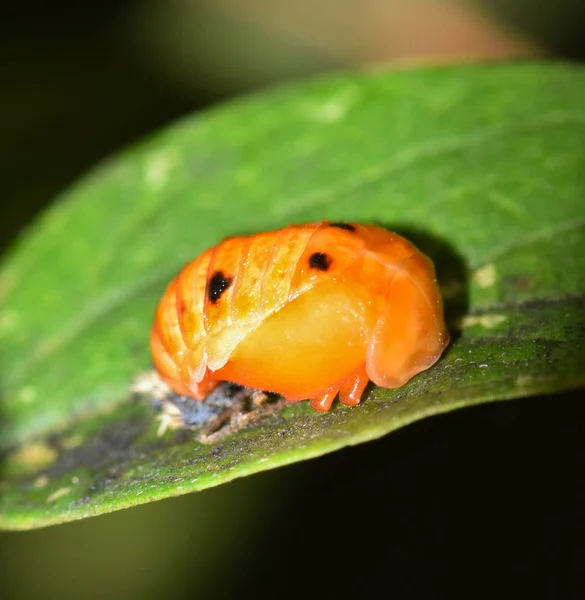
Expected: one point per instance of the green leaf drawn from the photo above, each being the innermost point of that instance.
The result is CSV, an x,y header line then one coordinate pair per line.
x,y
480,165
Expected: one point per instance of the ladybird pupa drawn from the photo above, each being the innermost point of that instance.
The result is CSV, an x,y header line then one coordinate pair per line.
x,y
309,312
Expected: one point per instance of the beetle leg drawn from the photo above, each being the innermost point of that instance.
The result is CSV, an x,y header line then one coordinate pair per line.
x,y
352,390
323,403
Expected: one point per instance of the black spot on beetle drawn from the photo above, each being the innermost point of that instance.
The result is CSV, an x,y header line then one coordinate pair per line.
x,y
346,226
217,285
320,261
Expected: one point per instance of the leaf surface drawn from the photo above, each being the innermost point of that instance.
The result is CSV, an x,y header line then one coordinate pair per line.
x,y
480,165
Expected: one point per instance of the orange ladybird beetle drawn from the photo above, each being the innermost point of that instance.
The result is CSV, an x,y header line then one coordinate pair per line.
x,y
309,311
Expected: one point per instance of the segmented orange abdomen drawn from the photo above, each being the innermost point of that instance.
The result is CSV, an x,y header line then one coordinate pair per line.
x,y
176,337
214,316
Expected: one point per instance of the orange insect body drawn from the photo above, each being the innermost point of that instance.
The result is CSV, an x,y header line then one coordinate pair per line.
x,y
308,311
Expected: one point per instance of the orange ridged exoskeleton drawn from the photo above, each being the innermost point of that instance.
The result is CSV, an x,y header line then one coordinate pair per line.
x,y
309,311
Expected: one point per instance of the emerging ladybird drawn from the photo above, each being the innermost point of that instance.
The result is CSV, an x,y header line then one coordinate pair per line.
x,y
308,311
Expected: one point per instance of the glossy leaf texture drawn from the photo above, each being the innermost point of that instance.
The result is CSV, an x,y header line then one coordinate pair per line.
x,y
482,166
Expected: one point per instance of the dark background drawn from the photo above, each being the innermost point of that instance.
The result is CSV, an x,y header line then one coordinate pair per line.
x,y
487,501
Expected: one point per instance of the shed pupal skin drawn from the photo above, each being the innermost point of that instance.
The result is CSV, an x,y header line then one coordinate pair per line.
x,y
309,312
